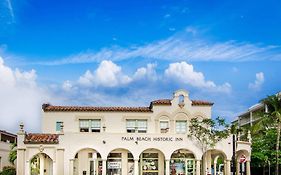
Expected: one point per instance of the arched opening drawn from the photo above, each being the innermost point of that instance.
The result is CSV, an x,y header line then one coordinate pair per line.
x,y
87,162
164,124
181,99
242,157
182,163
152,162
214,162
41,164
120,162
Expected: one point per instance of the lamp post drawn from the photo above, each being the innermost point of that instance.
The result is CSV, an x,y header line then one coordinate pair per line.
x,y
233,168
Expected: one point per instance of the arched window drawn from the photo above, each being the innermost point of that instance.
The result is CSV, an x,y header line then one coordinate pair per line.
x,y
164,125
181,99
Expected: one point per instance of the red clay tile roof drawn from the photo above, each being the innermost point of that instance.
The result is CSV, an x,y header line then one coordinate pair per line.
x,y
161,102
41,138
201,103
50,108
194,102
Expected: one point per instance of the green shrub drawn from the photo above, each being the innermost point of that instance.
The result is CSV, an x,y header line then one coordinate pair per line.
x,y
8,170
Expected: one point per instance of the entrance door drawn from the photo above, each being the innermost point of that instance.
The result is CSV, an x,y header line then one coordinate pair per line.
x,y
92,167
190,166
149,164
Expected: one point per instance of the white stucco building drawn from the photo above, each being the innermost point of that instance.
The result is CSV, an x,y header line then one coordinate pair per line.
x,y
6,139
79,140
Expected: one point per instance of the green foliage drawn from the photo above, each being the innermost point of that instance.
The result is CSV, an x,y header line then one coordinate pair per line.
x,y
35,165
266,134
8,170
13,153
263,148
208,132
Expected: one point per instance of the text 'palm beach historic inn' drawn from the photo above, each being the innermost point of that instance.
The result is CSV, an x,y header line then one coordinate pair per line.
x,y
79,140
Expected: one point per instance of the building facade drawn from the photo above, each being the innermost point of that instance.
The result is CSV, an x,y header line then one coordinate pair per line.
x,y
252,115
79,140
6,139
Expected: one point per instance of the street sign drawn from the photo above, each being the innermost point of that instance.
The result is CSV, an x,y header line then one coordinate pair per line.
x,y
242,159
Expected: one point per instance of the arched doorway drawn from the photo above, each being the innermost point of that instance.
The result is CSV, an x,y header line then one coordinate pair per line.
x,y
215,162
120,162
243,158
182,163
152,162
41,164
87,162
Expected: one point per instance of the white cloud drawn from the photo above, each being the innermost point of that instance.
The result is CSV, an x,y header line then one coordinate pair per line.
x,y
108,74
178,48
21,98
147,72
68,86
256,86
11,10
186,74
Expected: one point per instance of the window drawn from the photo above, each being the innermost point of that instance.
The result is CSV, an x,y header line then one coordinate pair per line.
x,y
84,125
181,99
95,125
139,126
90,125
58,126
181,126
164,126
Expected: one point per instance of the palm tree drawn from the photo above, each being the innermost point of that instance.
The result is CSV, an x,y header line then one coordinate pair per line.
x,y
13,153
273,113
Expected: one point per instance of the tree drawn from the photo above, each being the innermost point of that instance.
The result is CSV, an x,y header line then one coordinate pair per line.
x,y
273,113
263,149
13,153
8,170
208,132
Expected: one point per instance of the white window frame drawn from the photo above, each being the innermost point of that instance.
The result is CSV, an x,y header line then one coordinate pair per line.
x,y
135,126
88,125
179,129
164,129
58,129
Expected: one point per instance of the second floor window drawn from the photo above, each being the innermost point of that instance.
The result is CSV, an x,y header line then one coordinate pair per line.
x,y
139,126
164,126
89,125
58,126
181,126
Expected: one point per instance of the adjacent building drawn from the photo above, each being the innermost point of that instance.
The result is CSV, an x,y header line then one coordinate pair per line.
x,y
6,139
152,140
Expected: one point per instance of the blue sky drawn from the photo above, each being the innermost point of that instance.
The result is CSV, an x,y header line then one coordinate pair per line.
x,y
131,52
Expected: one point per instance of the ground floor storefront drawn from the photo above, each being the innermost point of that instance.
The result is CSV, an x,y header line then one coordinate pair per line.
x,y
112,155
150,162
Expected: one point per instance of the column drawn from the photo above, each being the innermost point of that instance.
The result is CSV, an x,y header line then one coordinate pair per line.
x,y
209,162
27,169
54,168
60,161
204,164
215,168
248,166
71,166
124,162
41,157
198,167
136,166
167,166
103,166
20,161
227,168
237,168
